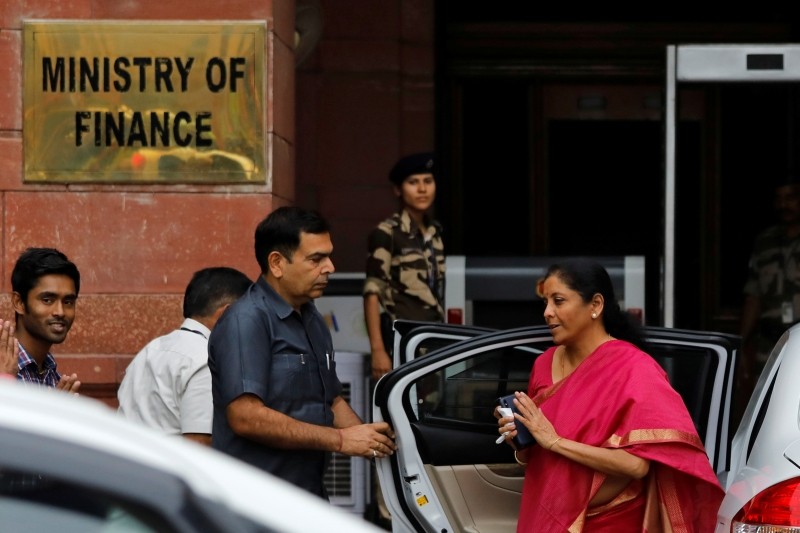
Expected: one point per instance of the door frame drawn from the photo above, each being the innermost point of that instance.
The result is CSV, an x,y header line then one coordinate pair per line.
x,y
709,63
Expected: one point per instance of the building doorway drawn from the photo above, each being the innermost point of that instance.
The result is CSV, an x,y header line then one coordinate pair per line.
x,y
522,103
603,188
541,174
546,170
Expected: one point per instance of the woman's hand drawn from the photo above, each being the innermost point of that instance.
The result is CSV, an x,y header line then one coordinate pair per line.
x,y
533,418
614,462
505,426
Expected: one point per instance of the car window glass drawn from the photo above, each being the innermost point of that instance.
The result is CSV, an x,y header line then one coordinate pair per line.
x,y
467,391
759,418
43,505
429,344
691,371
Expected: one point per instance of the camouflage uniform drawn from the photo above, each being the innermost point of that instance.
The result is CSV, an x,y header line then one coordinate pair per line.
x,y
774,278
406,270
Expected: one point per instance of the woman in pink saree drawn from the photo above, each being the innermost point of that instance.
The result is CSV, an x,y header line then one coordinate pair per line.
x,y
617,450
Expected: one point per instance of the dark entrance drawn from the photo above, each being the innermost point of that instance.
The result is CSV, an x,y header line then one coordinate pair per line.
x,y
604,187
530,163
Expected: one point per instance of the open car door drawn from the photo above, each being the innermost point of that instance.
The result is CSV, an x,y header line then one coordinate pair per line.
x,y
414,339
448,475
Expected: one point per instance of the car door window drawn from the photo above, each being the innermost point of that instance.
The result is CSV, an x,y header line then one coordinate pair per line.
x,y
454,404
467,391
762,412
451,408
39,503
691,371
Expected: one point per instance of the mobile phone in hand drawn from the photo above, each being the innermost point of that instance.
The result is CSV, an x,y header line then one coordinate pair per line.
x,y
524,438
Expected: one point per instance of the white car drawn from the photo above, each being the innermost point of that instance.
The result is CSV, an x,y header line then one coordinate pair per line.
x,y
70,464
449,475
763,488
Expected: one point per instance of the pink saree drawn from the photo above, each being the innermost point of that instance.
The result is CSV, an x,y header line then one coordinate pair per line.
x,y
619,397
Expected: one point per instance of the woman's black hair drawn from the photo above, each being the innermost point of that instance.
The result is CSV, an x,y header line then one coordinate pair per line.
x,y
588,277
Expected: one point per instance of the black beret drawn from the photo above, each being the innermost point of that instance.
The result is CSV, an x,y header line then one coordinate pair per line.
x,y
422,163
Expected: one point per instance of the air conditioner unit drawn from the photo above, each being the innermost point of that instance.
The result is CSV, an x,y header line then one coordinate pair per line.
x,y
348,478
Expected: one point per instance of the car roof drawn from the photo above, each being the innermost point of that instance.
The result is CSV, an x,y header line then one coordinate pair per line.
x,y
93,425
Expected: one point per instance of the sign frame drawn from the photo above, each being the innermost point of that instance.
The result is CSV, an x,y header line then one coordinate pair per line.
x,y
140,101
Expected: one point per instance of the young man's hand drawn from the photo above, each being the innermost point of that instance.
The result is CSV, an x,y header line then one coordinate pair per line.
x,y
9,348
69,383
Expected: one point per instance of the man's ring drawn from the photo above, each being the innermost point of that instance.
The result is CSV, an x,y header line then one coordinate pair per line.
x,y
374,454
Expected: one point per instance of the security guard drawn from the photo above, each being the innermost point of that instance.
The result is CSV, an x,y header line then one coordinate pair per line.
x,y
405,268
772,289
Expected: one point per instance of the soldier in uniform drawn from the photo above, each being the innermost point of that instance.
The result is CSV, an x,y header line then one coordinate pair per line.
x,y
405,267
772,289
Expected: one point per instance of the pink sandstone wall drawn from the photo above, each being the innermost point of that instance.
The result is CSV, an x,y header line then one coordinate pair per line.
x,y
137,246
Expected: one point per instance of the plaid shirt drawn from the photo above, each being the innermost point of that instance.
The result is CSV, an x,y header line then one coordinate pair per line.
x,y
30,372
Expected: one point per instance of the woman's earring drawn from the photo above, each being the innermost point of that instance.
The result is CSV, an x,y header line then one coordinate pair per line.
x,y
594,315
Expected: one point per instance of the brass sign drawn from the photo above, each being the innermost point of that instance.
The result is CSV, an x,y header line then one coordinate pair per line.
x,y
144,101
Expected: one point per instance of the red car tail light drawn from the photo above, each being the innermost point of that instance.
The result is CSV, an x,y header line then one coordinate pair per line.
x,y
777,507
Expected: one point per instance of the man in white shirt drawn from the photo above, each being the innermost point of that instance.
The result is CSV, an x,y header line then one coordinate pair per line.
x,y
167,386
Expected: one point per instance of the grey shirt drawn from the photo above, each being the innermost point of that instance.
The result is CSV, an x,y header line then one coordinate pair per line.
x,y
262,346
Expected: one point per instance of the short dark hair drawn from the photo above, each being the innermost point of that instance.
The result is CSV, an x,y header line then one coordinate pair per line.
x,y
280,231
211,288
34,263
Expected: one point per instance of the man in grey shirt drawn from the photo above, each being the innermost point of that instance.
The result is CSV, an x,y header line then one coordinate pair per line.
x,y
277,397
